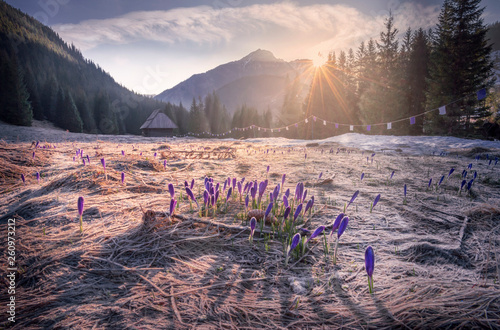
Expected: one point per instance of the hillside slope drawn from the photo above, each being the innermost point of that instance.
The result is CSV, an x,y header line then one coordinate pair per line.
x,y
49,79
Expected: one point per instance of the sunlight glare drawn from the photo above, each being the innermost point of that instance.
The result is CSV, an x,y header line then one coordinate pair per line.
x,y
319,60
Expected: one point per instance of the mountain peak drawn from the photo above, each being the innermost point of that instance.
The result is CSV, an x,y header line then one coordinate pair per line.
x,y
261,55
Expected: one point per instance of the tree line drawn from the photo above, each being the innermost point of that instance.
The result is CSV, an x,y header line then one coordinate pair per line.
x,y
389,79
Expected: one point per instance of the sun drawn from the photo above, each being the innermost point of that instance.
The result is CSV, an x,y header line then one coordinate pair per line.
x,y
319,60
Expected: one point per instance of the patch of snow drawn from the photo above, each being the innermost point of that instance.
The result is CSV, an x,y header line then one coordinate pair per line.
x,y
416,145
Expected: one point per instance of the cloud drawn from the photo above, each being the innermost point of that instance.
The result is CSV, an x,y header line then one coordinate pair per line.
x,y
287,25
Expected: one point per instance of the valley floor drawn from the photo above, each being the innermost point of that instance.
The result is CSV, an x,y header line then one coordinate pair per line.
x,y
437,254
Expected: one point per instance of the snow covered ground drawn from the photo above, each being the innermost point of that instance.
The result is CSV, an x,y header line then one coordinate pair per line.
x,y
415,145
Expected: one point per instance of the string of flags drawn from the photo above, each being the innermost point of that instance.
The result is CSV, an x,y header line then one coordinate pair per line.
x,y
481,94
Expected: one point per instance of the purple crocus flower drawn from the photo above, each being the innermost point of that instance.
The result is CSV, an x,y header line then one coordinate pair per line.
x,y
353,198
370,266
441,180
287,212
253,223
38,177
469,185
283,180
229,192
123,153
342,227
297,212
392,174
247,199
267,169
239,187
103,162
375,201
337,222
430,182
305,195
308,205
23,178
321,174
276,192
171,190
362,176
285,201
451,171
318,231
173,203
463,184
295,241
404,189
216,197
189,192
206,198
80,212
192,184
123,177
287,193
268,210
234,183
80,206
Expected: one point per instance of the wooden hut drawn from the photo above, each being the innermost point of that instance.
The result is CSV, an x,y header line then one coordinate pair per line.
x,y
158,125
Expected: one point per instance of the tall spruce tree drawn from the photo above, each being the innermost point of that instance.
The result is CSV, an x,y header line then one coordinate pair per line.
x,y
460,66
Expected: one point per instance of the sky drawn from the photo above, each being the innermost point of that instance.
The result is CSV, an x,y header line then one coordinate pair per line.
x,y
152,45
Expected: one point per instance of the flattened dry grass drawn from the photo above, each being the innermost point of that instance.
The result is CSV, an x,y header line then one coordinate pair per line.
x,y
135,267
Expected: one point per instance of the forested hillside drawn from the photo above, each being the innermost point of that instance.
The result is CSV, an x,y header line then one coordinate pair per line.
x,y
45,78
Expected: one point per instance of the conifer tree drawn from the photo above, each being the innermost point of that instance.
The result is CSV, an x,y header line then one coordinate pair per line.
x,y
460,66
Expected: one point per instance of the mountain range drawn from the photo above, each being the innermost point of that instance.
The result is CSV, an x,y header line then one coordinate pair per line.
x,y
257,80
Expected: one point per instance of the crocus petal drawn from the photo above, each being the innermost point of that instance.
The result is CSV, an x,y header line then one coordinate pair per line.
x,y
337,221
80,205
287,212
295,241
253,223
171,190
369,261
318,231
285,201
173,203
353,197
342,227
375,201
103,162
297,212
268,210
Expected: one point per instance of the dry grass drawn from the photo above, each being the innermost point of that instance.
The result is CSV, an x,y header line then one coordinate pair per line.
x,y
134,267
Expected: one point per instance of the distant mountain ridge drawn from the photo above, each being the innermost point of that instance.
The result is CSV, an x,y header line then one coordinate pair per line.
x,y
256,80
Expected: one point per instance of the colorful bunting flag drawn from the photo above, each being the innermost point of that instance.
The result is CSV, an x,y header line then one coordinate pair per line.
x,y
412,120
389,125
368,127
351,128
442,110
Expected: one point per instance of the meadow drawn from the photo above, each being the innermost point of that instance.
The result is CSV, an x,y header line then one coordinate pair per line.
x,y
148,256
